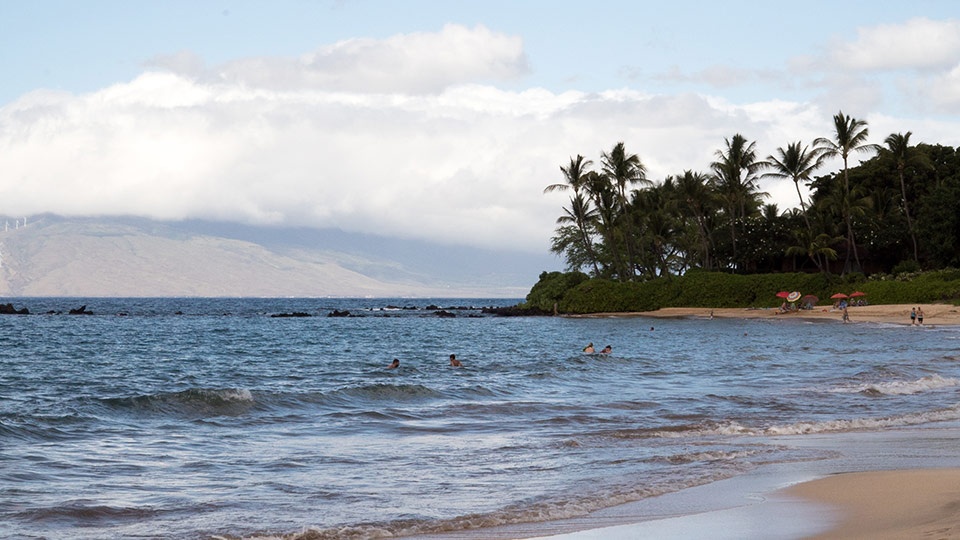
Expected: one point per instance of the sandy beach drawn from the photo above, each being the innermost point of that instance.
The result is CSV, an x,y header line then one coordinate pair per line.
x,y
889,505
934,314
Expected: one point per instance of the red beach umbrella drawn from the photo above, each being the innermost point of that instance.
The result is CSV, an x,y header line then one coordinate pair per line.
x,y
839,295
783,294
855,294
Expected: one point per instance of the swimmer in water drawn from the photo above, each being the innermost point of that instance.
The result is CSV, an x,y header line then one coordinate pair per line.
x,y
607,350
589,348
395,364
454,362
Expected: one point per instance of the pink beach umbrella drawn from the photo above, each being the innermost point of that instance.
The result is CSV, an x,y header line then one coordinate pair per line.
x,y
855,294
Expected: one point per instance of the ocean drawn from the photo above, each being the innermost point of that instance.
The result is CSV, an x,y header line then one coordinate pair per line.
x,y
213,418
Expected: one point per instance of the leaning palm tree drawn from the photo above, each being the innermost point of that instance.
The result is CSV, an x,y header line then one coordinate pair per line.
x,y
850,135
622,170
797,164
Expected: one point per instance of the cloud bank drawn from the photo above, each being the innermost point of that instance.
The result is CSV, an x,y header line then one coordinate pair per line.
x,y
406,137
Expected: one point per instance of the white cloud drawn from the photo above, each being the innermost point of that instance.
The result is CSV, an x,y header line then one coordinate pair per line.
x,y
421,62
451,160
918,44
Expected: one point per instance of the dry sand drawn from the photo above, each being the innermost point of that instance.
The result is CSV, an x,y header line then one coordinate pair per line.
x,y
934,314
889,505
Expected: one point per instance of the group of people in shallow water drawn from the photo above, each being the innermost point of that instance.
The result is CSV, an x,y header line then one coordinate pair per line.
x,y
453,362
589,349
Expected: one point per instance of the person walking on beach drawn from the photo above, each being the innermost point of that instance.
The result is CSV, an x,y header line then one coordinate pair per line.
x,y
846,316
589,348
920,316
454,362
913,316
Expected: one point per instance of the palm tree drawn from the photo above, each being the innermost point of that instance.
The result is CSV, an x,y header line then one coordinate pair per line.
x,y
573,174
583,218
898,148
693,189
579,213
604,199
850,135
621,170
735,175
797,164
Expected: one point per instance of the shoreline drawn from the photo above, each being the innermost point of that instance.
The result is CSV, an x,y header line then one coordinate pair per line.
x,y
899,314
874,486
880,486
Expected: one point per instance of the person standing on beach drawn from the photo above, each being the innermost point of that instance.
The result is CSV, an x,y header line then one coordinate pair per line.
x,y
920,316
913,316
846,316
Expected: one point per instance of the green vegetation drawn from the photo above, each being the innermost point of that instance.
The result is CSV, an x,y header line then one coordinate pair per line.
x,y
893,213
888,227
573,292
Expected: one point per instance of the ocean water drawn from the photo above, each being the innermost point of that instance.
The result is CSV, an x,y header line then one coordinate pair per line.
x,y
208,418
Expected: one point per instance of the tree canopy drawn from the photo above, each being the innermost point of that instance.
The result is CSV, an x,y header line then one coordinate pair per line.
x,y
895,211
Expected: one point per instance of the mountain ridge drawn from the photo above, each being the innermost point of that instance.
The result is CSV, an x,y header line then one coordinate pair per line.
x,y
95,257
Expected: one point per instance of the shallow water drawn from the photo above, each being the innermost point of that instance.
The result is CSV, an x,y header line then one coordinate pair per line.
x,y
192,418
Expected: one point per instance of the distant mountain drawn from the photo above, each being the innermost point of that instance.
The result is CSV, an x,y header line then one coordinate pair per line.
x,y
54,256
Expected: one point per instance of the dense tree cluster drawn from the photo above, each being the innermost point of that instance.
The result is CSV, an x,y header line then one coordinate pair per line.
x,y
896,211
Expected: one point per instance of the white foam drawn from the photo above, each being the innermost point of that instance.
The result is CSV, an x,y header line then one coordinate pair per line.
x,y
900,388
732,429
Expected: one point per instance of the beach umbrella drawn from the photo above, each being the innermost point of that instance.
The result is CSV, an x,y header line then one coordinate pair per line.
x,y
855,294
783,294
810,299
794,296
838,296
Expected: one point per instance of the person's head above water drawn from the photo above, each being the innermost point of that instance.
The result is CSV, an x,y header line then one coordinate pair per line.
x,y
394,364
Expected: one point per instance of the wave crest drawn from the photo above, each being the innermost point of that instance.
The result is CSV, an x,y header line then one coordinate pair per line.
x,y
194,402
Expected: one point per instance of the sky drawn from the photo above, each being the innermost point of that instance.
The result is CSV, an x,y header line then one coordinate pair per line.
x,y
435,120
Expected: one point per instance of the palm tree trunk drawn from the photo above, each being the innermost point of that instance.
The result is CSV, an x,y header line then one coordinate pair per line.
x,y
806,219
906,211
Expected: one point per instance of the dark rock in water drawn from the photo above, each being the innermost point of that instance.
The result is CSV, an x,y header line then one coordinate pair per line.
x,y
514,311
294,314
431,307
8,309
82,310
444,313
338,313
